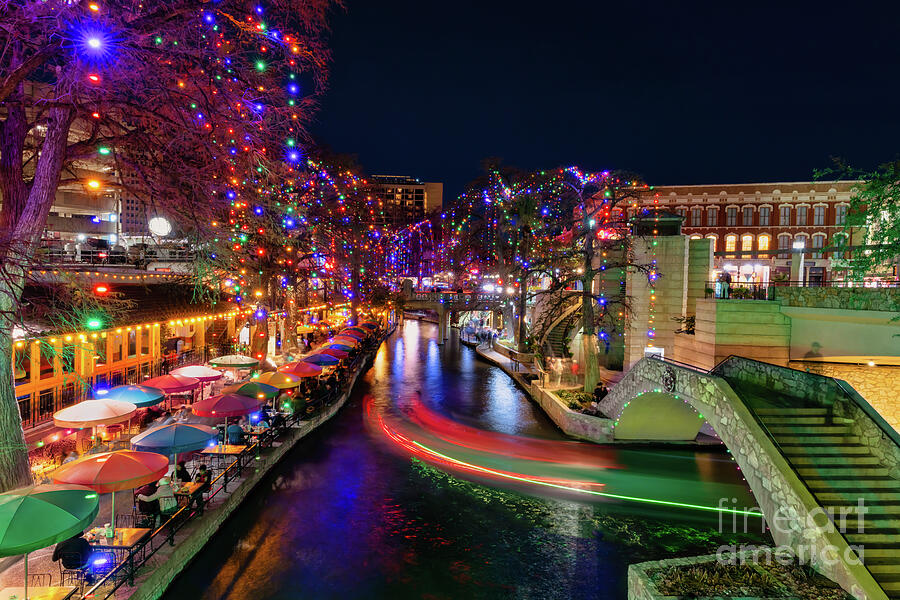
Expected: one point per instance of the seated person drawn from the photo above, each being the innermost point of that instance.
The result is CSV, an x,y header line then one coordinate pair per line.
x,y
204,477
149,508
75,552
164,495
234,434
181,473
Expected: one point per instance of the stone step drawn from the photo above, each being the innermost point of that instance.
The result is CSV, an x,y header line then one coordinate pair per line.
x,y
882,556
841,471
850,498
829,430
832,460
885,539
806,412
852,483
811,449
816,439
790,420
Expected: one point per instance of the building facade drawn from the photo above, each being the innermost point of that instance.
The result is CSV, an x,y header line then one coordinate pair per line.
x,y
405,200
755,227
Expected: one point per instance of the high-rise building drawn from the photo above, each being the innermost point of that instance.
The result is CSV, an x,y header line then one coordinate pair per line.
x,y
406,200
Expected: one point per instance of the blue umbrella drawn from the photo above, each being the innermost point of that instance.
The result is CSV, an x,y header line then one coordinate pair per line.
x,y
337,346
175,438
139,395
321,359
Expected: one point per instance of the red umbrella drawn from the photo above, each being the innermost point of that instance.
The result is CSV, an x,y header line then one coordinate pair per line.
x,y
113,471
225,405
344,339
332,352
357,329
301,369
173,384
353,333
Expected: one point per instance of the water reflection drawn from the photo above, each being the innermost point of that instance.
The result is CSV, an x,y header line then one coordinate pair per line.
x,y
346,516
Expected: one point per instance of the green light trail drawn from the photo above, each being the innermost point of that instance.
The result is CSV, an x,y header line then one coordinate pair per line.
x,y
733,511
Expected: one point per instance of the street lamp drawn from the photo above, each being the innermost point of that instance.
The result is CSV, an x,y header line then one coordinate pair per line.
x,y
800,245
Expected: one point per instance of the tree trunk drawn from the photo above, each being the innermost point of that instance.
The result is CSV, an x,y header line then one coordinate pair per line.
x,y
355,293
590,352
520,329
15,471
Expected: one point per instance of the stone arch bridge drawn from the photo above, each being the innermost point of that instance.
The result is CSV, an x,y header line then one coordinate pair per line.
x,y
808,446
446,304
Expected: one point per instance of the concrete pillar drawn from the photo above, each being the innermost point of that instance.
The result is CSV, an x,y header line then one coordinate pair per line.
x,y
443,316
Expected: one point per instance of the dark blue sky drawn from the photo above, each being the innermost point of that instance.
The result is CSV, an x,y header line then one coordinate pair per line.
x,y
682,92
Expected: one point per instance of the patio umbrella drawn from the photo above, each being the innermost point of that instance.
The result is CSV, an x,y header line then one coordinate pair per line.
x,y
358,329
173,384
174,438
322,359
92,413
301,369
252,389
109,472
338,346
352,333
344,339
226,405
199,372
282,381
333,351
38,516
139,395
369,325
234,361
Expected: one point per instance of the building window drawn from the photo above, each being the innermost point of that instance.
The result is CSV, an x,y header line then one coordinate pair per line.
x,y
818,215
731,216
713,239
762,243
801,215
746,243
22,364
682,212
712,217
802,240
748,216
764,216
784,243
132,344
696,217
785,216
730,243
818,242
840,214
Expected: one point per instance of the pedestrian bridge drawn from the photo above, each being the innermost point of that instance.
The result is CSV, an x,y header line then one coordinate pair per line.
x,y
808,446
447,303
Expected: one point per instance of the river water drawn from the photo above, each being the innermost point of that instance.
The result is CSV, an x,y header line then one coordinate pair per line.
x,y
348,514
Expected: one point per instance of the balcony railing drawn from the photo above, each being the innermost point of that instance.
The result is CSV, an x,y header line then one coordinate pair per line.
x,y
768,291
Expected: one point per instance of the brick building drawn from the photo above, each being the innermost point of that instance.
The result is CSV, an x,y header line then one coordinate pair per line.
x,y
750,223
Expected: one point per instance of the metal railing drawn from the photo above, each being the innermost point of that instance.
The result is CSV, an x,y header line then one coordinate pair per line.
x,y
742,290
138,556
56,255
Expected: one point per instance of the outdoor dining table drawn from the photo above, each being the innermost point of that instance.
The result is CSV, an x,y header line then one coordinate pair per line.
x,y
57,592
189,489
126,538
224,449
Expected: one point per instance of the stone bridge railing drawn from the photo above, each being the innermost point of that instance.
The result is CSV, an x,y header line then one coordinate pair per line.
x,y
453,298
783,497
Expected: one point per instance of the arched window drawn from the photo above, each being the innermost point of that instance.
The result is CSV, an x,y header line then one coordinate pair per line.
x,y
763,242
696,237
746,243
730,242
712,237
784,243
818,241
803,239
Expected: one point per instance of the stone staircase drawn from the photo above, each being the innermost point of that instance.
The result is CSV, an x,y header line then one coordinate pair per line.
x,y
839,470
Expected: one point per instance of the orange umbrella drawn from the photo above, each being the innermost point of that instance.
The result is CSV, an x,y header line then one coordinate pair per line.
x,y
113,471
301,369
344,339
281,380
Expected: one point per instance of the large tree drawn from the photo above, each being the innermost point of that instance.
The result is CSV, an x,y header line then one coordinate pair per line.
x,y
202,103
593,249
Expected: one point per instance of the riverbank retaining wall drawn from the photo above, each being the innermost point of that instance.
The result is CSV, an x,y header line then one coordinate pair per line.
x,y
152,585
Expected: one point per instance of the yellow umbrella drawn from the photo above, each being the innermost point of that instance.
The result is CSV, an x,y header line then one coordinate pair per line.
x,y
282,381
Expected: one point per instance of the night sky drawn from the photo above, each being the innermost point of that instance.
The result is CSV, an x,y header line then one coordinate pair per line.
x,y
681,92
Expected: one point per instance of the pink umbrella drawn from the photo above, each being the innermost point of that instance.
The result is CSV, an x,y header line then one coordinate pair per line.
x,y
344,339
173,384
301,369
352,333
204,374
225,405
333,352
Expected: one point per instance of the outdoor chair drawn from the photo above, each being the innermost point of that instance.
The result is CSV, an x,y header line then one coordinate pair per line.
x,y
102,563
125,521
40,579
71,577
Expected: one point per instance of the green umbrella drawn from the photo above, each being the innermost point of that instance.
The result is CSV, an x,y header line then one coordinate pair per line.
x,y
38,516
252,389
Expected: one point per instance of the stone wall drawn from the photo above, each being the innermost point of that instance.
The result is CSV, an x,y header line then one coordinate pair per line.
x,y
573,423
879,299
878,385
775,485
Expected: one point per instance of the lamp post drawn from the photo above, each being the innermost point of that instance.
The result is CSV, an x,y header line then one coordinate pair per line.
x,y
801,270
